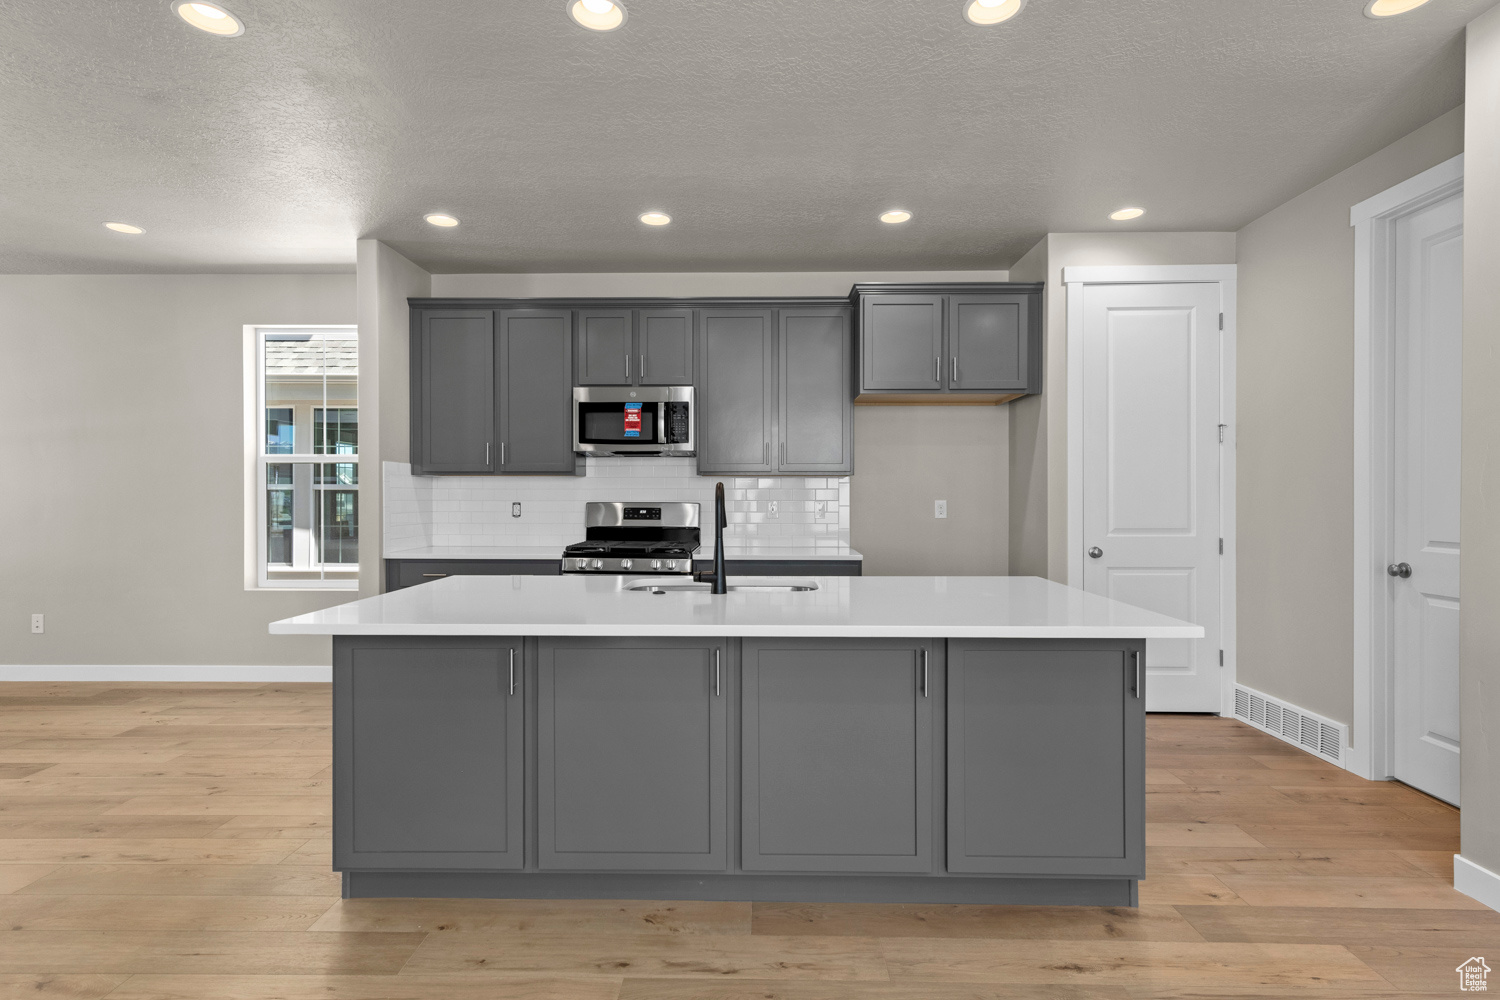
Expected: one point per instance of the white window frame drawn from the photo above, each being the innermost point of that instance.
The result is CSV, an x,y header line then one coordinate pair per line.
x,y
257,573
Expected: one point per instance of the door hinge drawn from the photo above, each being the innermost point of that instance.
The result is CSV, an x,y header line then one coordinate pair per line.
x,y
1221,657
1221,546
1221,321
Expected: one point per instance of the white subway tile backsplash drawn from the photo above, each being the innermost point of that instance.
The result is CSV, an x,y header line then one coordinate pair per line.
x,y
423,511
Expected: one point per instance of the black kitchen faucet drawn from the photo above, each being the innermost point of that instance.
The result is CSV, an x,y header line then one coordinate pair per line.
x,y
721,519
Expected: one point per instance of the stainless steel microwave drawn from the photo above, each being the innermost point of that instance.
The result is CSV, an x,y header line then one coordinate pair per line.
x,y
633,420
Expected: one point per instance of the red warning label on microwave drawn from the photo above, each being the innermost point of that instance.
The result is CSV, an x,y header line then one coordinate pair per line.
x,y
632,420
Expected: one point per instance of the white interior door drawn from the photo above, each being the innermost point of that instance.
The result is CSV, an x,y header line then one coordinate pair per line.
x,y
1427,377
1151,514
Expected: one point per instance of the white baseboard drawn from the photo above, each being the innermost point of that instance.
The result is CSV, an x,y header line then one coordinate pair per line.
x,y
1319,736
176,673
1476,881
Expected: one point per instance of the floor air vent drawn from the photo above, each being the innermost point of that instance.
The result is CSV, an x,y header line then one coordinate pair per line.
x,y
1312,733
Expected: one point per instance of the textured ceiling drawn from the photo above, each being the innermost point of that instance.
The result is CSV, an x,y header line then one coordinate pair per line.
x,y
773,131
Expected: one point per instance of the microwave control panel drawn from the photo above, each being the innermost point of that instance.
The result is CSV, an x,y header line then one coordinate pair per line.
x,y
677,429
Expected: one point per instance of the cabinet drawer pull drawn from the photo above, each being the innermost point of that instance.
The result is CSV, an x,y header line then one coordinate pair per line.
x,y
434,574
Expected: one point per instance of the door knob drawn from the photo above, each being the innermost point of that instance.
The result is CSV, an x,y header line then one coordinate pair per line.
x,y
1403,570
1095,552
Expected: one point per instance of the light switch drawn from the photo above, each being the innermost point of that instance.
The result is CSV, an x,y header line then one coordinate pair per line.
x,y
37,624
939,508
771,510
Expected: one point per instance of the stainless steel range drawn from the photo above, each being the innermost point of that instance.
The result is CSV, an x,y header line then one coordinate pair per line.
x,y
635,538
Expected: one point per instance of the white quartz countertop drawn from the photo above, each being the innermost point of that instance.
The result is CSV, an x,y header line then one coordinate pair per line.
x,y
792,553
973,607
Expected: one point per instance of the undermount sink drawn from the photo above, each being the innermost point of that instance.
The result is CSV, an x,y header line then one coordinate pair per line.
x,y
693,587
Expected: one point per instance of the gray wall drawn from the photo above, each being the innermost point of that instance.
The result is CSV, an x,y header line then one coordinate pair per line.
x,y
1479,624
1039,438
124,511
905,457
1296,429
384,281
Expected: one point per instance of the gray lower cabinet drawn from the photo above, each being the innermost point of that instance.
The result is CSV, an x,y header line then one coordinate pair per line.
x,y
816,421
837,765
401,573
428,754
452,391
631,757
736,397
1046,768
534,366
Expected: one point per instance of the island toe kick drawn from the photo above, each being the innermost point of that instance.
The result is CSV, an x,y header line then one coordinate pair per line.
x,y
960,770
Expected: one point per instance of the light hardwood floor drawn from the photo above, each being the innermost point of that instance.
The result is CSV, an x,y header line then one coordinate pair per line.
x,y
172,841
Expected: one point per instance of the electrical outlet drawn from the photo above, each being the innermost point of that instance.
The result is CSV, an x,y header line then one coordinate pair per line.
x,y
771,510
820,508
939,508
515,509
37,624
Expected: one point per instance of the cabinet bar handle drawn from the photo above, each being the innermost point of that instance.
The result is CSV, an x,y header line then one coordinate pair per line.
x,y
937,369
486,453
765,454
643,367
783,454
512,670
716,672
1139,679
924,672
502,452
434,574
954,368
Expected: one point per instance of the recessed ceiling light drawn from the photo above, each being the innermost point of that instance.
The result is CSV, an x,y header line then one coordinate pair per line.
x,y
1126,214
986,12
895,216
438,219
1390,8
656,218
596,15
124,227
209,17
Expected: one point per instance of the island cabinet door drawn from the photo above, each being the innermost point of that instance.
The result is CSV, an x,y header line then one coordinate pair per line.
x,y
631,754
428,753
838,755
1046,758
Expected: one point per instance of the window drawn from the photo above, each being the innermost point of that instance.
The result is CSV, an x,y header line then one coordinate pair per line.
x,y
307,508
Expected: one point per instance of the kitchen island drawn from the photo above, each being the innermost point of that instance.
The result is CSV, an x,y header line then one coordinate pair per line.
x,y
904,739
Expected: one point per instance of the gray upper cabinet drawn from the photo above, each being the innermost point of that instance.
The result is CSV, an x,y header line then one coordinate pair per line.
x,y
635,347
534,366
664,351
1045,765
436,726
632,771
837,755
736,397
453,391
901,342
987,344
979,343
606,346
817,370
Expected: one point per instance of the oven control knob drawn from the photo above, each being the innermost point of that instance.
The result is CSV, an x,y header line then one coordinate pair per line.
x,y
598,564
656,564
624,563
